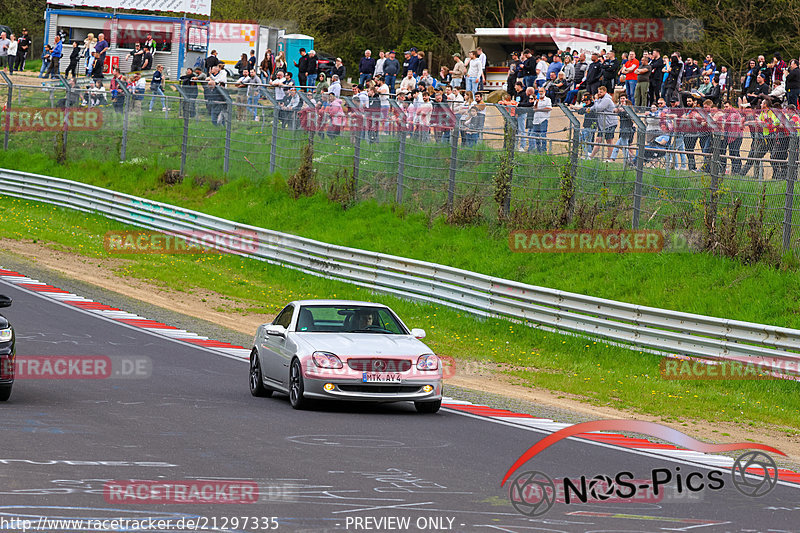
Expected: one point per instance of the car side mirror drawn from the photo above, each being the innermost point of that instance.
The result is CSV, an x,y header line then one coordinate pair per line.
x,y
276,330
5,301
418,333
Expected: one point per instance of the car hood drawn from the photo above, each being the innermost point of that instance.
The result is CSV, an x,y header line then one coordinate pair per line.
x,y
354,344
3,322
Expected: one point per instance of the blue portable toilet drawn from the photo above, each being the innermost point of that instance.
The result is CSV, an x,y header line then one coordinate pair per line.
x,y
291,44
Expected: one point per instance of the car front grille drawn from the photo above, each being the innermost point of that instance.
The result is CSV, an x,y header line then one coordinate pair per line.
x,y
382,389
379,365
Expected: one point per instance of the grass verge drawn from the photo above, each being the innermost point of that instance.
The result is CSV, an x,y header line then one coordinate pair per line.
x,y
694,283
596,372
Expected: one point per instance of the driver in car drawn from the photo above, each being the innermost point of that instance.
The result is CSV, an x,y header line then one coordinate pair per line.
x,y
364,320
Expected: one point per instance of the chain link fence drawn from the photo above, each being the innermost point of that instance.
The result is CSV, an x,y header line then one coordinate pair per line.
x,y
650,168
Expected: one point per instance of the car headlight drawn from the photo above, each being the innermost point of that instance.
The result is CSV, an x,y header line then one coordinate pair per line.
x,y
326,360
6,334
428,362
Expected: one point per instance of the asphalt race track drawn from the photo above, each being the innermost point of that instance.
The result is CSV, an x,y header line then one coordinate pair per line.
x,y
339,467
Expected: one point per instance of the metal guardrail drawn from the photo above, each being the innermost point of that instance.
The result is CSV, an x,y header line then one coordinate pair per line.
x,y
666,331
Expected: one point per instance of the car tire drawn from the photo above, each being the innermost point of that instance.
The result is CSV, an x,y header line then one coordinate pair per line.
x,y
296,386
257,387
428,407
5,392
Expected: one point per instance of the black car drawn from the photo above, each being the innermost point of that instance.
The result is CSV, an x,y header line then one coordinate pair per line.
x,y
7,353
325,63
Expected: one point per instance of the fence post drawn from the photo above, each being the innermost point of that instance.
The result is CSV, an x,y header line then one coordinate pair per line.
x,y
357,155
63,152
7,127
228,120
509,145
273,146
575,128
401,166
791,177
451,185
185,140
715,172
126,107
641,137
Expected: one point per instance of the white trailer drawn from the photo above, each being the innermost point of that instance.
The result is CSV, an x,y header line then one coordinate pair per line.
x,y
232,39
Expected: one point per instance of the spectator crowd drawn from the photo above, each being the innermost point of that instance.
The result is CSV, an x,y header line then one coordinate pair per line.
x,y
681,102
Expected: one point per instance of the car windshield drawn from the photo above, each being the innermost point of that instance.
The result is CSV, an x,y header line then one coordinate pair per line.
x,y
348,319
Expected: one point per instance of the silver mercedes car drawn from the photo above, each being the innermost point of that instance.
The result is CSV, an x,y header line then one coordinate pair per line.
x,y
344,350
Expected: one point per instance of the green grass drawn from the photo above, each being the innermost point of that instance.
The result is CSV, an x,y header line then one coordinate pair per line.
x,y
599,373
695,283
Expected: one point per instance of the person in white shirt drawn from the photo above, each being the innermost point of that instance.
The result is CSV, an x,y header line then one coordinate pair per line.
x,y
279,83
336,86
427,79
408,83
219,75
474,71
482,57
541,72
540,119
423,118
379,63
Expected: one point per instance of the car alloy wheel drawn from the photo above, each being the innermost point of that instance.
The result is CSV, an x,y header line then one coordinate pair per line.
x,y
296,386
257,387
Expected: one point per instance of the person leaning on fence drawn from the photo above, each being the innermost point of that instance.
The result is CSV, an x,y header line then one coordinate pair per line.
x,y
732,123
241,93
117,93
626,132
607,121
189,85
215,103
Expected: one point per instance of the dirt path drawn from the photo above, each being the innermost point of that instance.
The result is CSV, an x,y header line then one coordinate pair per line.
x,y
485,377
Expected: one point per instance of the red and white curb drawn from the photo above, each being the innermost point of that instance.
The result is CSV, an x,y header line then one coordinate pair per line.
x,y
608,439
123,317
503,416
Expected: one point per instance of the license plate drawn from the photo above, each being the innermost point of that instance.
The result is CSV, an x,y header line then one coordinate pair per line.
x,y
380,377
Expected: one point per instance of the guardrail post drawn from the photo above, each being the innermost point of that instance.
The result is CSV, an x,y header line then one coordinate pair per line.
x,y
641,137
7,126
791,177
451,185
401,165
185,140
126,107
